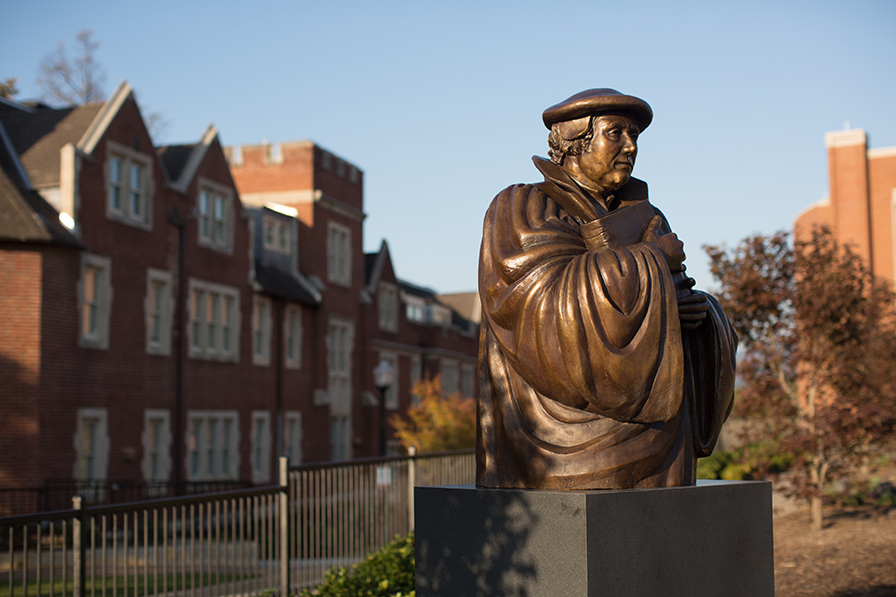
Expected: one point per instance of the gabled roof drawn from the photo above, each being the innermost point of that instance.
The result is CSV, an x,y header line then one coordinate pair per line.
x,y
181,162
374,263
25,216
37,136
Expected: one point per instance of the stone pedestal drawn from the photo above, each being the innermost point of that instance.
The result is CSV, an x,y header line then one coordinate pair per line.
x,y
710,540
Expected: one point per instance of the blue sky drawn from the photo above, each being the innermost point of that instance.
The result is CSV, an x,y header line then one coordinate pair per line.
x,y
439,103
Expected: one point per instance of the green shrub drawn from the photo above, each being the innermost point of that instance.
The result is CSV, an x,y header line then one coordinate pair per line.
x,y
386,573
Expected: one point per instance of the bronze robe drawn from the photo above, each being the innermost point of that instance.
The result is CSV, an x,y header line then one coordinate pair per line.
x,y
587,378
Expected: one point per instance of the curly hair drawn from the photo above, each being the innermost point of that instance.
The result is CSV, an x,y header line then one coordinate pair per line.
x,y
562,145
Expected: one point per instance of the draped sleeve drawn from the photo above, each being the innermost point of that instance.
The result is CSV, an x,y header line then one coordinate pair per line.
x,y
594,330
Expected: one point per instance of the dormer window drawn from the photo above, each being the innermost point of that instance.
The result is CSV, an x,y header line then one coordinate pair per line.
x,y
129,186
277,235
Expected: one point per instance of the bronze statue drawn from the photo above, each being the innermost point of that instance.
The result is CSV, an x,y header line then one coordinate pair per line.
x,y
600,366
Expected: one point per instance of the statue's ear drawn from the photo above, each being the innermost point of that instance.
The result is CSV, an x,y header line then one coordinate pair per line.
x,y
573,129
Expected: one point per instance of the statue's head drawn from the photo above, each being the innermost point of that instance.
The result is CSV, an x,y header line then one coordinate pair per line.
x,y
594,137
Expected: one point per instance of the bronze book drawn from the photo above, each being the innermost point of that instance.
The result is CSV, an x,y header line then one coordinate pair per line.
x,y
622,227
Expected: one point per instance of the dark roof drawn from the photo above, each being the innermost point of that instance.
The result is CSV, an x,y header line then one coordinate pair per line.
x,y
283,285
418,290
369,263
174,159
25,216
39,135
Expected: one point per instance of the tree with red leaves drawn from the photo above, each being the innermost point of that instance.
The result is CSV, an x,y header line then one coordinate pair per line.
x,y
818,358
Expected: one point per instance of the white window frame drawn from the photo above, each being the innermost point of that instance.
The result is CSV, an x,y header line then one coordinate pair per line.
x,y
129,159
339,254
340,346
261,330
158,308
210,337
214,212
392,391
156,445
261,446
293,436
91,464
212,445
340,437
415,308
97,296
292,337
387,303
277,235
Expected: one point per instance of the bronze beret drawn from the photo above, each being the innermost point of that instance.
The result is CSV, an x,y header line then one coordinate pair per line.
x,y
598,102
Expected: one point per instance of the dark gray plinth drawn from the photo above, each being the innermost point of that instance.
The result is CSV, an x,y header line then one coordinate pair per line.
x,y
711,540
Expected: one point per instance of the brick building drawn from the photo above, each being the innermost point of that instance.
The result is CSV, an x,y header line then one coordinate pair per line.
x,y
153,327
366,313
861,206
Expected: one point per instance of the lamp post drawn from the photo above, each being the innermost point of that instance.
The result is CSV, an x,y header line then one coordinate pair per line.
x,y
383,375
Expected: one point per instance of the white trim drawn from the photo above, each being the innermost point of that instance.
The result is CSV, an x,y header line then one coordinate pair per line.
x,y
102,267
261,330
387,306
223,447
161,444
104,118
215,191
98,468
339,240
260,458
182,184
882,152
129,158
165,310
292,445
392,392
225,344
845,138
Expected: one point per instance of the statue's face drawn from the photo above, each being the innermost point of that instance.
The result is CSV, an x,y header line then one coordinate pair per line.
x,y
608,164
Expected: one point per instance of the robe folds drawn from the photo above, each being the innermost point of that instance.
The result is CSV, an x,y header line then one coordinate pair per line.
x,y
587,379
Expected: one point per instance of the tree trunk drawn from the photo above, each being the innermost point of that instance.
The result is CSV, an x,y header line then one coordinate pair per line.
x,y
816,512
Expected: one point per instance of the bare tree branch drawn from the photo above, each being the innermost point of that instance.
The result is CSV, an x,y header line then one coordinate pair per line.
x,y
72,81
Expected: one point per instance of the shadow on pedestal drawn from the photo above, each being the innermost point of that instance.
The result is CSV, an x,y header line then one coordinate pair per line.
x,y
710,540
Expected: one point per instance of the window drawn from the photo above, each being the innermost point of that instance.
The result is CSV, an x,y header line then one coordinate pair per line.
x,y
468,380
277,235
340,339
387,301
214,321
449,376
415,375
392,392
292,337
340,437
212,442
91,444
158,312
215,215
95,294
261,330
293,436
416,308
156,445
261,446
339,254
129,185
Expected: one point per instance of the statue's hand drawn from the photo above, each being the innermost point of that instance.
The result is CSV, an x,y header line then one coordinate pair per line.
x,y
692,309
668,244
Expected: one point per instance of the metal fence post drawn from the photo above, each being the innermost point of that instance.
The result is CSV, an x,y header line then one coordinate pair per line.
x,y
412,481
78,548
284,526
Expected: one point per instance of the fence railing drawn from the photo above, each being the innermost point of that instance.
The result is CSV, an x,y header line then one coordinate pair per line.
x,y
243,542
